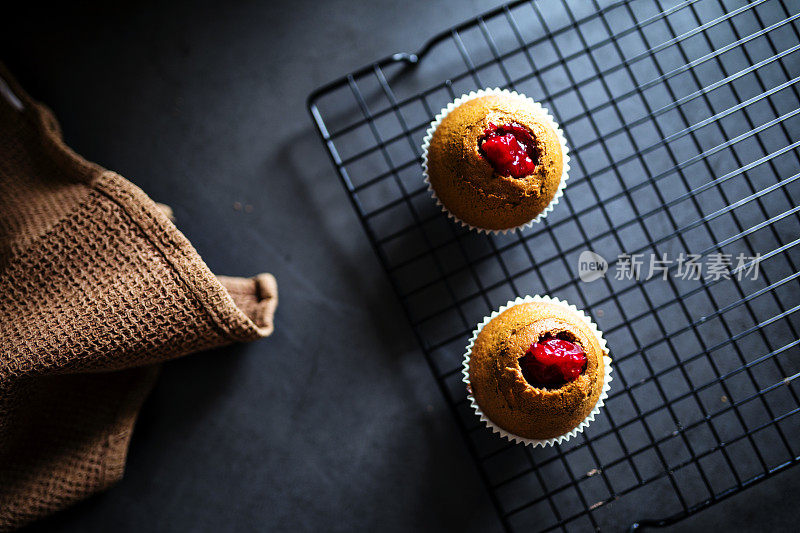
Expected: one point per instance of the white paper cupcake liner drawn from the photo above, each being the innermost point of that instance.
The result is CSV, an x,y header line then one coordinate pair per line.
x,y
586,421
537,108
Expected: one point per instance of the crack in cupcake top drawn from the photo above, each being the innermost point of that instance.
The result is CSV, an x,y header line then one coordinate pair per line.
x,y
510,148
518,343
464,133
493,177
552,361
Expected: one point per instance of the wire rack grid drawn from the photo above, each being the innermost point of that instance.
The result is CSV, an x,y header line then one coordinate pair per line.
x,y
682,118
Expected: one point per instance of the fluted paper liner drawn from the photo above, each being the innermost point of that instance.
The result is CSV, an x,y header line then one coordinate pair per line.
x,y
537,109
586,421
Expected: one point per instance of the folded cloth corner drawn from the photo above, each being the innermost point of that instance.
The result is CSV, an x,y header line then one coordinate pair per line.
x,y
97,286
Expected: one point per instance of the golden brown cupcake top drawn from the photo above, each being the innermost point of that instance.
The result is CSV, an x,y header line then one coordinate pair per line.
x,y
496,379
465,179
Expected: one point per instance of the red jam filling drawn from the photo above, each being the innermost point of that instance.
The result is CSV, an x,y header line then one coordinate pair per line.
x,y
552,361
510,148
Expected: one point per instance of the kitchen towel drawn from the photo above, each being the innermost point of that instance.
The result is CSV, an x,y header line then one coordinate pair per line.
x,y
97,286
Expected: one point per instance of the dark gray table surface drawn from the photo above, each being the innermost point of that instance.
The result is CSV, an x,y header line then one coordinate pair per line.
x,y
334,422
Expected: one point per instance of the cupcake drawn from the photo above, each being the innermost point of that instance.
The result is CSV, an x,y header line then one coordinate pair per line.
x,y
537,370
495,160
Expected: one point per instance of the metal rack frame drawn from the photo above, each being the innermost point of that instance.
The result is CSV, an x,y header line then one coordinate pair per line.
x,y
683,120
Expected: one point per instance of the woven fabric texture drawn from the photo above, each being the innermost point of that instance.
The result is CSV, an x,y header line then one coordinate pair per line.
x,y
97,286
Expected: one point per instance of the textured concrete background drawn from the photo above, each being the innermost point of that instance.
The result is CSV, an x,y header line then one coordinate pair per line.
x,y
334,422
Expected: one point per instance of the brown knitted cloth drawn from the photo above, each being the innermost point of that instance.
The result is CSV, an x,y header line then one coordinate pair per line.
x,y
96,286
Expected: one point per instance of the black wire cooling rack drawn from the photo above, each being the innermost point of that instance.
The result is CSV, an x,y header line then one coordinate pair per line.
x,y
683,120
